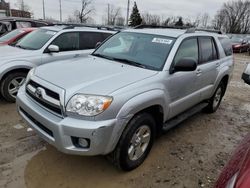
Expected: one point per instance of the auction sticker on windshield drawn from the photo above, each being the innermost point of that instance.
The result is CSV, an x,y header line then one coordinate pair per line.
x,y
162,41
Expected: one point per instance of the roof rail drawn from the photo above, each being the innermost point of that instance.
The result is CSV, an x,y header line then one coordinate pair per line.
x,y
187,28
100,27
193,30
143,26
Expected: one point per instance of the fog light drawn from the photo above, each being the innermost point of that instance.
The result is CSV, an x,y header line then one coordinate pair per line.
x,y
83,142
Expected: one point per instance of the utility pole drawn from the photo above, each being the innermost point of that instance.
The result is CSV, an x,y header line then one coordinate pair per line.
x,y
108,13
60,1
10,13
44,10
128,11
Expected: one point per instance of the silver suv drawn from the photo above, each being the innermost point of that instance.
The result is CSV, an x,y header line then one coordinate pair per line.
x,y
136,84
42,46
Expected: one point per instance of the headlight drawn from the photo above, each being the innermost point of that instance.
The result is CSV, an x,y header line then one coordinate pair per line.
x,y
30,74
88,105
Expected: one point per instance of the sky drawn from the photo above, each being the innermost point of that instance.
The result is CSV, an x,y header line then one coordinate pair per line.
x,y
185,8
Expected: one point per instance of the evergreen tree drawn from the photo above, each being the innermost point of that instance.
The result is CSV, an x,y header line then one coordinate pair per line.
x,y
179,22
135,17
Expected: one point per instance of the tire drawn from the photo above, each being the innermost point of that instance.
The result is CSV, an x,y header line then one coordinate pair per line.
x,y
215,101
141,124
10,85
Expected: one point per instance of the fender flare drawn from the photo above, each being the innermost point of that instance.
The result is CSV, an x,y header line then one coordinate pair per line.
x,y
134,106
14,65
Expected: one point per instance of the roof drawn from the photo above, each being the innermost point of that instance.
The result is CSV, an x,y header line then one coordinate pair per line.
x,y
29,29
175,33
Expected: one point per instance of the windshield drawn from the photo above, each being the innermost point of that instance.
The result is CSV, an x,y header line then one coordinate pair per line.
x,y
36,40
11,35
144,50
237,40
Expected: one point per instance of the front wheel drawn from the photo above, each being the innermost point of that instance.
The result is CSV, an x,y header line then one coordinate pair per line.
x,y
11,84
215,101
135,143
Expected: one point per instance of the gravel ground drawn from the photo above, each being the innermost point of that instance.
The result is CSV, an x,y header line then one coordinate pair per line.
x,y
189,156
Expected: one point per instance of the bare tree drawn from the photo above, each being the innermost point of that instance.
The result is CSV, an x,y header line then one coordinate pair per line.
x,y
21,5
86,9
113,16
233,17
114,13
151,19
120,21
205,20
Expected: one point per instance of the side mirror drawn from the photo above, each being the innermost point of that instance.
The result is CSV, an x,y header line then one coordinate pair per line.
x,y
246,75
98,44
185,65
53,49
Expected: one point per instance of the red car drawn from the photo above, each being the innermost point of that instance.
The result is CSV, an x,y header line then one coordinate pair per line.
x,y
239,45
15,35
236,174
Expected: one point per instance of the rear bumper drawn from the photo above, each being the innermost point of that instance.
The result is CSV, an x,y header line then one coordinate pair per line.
x,y
60,132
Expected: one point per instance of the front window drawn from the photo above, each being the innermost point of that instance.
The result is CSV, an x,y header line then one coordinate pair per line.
x,y
36,40
11,35
144,50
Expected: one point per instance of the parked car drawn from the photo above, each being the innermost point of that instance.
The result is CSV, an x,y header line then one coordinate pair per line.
x,y
44,45
135,85
236,172
246,75
14,36
240,45
8,24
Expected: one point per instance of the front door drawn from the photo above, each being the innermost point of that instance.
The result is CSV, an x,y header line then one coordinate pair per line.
x,y
182,87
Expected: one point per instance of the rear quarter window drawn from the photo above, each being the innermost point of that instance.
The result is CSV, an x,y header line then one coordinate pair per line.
x,y
226,45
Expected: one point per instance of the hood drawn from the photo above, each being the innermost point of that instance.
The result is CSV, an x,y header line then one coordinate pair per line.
x,y
8,53
236,44
91,75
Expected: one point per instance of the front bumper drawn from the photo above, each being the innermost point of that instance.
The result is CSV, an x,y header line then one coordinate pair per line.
x,y
246,78
59,132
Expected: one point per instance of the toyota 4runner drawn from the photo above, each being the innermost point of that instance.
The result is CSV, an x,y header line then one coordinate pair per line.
x,y
135,85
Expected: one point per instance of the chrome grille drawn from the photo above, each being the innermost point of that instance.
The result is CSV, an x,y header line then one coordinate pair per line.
x,y
44,96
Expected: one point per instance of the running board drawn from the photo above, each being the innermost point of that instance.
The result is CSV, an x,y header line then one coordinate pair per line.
x,y
182,117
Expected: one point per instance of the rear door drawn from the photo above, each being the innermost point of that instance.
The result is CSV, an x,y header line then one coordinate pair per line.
x,y
89,40
208,68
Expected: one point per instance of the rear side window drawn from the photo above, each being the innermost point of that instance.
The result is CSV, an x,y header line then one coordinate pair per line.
x,y
226,45
67,41
88,40
21,24
38,24
208,49
188,49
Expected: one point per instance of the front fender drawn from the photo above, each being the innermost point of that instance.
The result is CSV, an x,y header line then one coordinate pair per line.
x,y
135,105
143,101
15,65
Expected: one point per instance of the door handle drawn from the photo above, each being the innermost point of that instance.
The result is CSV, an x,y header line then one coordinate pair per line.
x,y
76,55
217,64
199,72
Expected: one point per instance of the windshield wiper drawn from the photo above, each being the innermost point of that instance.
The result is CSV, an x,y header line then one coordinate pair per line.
x,y
103,56
19,46
130,62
